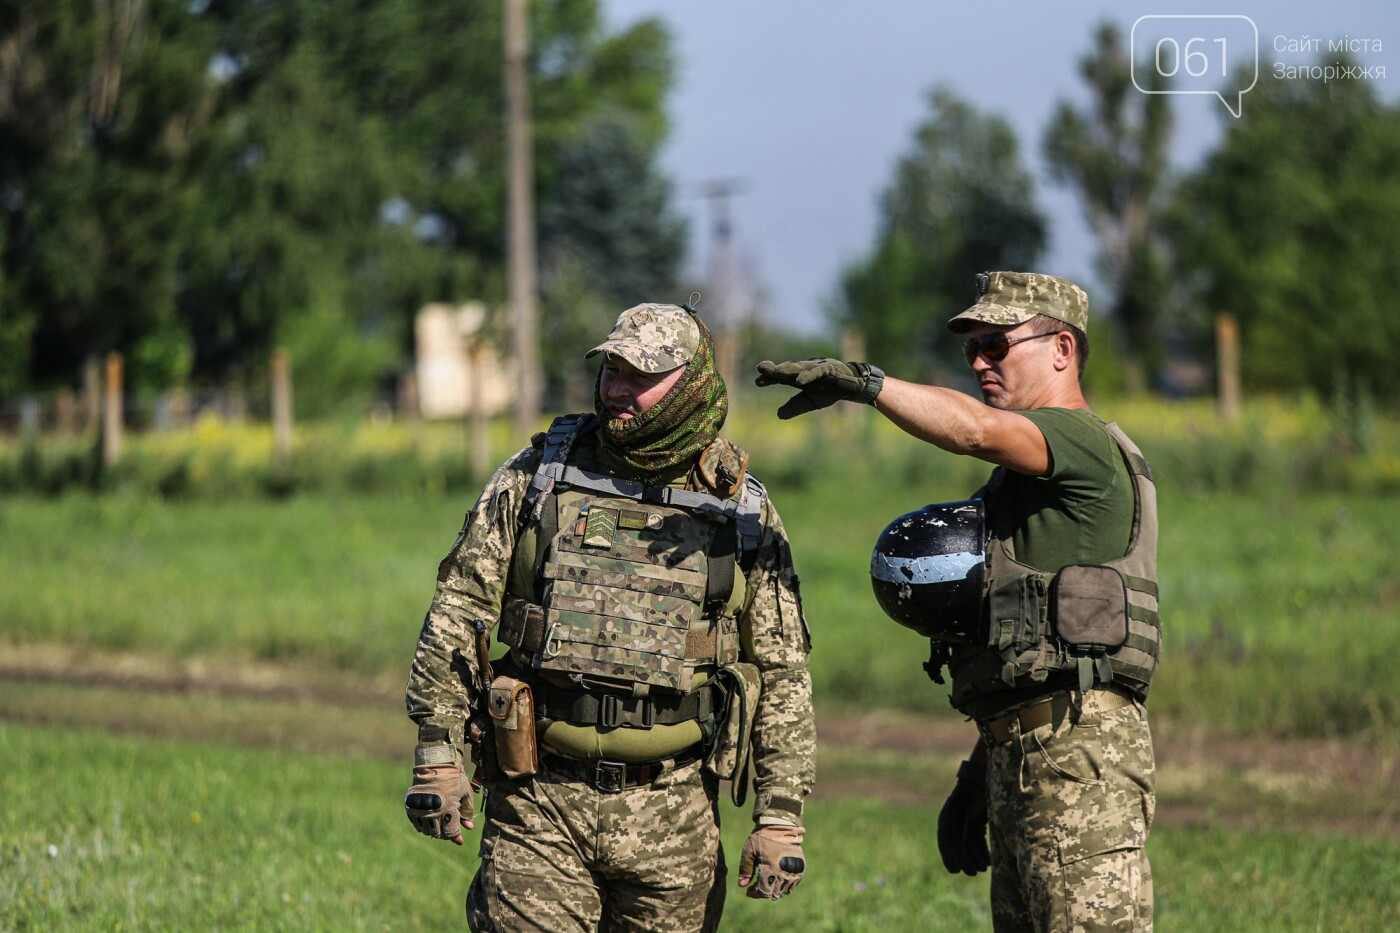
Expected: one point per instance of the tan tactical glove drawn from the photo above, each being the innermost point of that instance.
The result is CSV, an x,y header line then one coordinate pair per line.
x,y
772,860
822,381
440,801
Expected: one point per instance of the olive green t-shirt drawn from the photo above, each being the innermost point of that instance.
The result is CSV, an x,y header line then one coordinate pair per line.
x,y
1079,513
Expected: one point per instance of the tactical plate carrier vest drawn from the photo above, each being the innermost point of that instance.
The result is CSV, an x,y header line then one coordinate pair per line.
x,y
1098,620
635,584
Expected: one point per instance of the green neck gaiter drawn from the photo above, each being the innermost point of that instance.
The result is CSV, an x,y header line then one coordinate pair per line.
x,y
674,430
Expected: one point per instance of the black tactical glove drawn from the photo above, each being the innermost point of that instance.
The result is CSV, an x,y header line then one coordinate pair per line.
x,y
962,823
823,382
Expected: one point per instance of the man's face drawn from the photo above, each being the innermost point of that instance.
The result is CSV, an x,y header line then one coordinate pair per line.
x,y
627,391
1017,381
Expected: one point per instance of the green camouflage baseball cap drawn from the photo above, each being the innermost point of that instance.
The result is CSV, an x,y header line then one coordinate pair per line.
x,y
1011,298
654,338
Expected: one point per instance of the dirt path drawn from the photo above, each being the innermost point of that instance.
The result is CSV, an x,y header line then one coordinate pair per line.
x,y
1203,780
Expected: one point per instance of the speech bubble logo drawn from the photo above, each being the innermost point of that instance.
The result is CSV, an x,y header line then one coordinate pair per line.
x,y
1199,54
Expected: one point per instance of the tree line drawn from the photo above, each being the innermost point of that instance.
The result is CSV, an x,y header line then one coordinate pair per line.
x,y
193,182
1288,226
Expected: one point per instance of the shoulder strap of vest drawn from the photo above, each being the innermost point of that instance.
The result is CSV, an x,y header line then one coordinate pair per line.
x,y
749,521
1137,463
576,478
744,515
559,439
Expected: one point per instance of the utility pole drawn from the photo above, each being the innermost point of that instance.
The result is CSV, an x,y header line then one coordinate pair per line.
x,y
521,286
1227,354
112,412
282,410
728,320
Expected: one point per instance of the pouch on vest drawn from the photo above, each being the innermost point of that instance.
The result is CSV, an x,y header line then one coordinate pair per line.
x,y
1089,611
512,709
728,758
1089,606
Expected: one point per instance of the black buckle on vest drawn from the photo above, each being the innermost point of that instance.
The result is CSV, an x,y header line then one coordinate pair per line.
x,y
610,777
614,711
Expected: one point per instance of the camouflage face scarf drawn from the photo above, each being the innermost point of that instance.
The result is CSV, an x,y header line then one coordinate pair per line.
x,y
675,429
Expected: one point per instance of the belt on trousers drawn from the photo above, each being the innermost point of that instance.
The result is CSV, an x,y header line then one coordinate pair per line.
x,y
1042,712
613,777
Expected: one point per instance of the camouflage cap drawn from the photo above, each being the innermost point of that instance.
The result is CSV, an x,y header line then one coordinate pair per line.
x,y
654,338
1011,298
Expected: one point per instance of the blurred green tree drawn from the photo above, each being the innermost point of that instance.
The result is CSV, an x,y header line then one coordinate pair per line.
x,y
610,238
288,217
181,180
101,104
960,203
1291,227
1114,154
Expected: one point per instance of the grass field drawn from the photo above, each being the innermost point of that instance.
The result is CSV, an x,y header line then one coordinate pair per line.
x,y
198,835
1278,608
201,724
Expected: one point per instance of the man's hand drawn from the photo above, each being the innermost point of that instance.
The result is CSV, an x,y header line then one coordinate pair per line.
x,y
962,823
772,860
822,381
439,803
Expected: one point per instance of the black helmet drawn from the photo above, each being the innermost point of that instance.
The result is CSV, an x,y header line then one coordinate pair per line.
x,y
928,569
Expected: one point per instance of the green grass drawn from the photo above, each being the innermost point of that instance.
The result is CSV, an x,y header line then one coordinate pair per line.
x,y
1279,609
1274,881
337,581
104,833
192,810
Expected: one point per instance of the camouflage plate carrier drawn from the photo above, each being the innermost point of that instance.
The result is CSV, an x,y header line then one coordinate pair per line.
x,y
635,584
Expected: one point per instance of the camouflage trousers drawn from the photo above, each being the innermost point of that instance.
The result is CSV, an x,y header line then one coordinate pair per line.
x,y
1070,805
559,855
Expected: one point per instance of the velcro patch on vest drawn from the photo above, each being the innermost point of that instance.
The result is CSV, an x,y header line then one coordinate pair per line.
x,y
633,521
600,528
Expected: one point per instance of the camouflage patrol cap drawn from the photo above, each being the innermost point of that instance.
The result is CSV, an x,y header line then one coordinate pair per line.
x,y
1011,298
654,338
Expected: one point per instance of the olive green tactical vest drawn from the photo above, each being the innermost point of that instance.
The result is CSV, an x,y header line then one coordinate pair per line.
x,y
635,581
1022,649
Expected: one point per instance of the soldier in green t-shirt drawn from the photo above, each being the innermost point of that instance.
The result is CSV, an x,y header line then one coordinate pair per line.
x,y
1057,671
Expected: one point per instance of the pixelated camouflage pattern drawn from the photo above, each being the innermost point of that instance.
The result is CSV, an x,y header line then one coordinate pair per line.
x,y
552,846
655,338
1011,298
1070,805
472,582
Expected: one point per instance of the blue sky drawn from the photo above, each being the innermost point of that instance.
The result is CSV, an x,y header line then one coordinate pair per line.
x,y
812,104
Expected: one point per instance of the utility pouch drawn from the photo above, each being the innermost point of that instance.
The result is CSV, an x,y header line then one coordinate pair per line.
x,y
512,709
728,757
1089,608
522,625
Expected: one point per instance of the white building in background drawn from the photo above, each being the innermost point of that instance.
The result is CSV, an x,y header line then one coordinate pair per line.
x,y
457,365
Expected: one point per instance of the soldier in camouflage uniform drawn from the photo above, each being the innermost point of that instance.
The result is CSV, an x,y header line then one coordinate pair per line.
x,y
645,587
1064,768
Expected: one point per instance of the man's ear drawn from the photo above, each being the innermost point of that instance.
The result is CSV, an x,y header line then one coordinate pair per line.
x,y
1064,350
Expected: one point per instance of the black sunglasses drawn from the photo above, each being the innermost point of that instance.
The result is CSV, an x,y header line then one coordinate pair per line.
x,y
995,346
